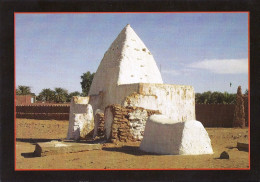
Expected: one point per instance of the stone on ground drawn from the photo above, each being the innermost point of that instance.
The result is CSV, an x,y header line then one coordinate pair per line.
x,y
56,147
224,155
165,136
242,146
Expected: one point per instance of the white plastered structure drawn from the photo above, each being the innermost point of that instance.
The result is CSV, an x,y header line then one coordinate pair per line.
x,y
128,67
81,119
126,61
168,137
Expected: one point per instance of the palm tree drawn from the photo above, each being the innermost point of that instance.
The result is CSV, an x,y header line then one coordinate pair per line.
x,y
18,92
60,95
23,90
46,95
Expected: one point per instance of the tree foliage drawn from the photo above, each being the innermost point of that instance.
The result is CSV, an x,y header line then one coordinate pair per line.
x,y
87,79
58,95
46,95
61,95
24,90
215,98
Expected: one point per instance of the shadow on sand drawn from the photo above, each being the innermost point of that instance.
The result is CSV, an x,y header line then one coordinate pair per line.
x,y
132,150
28,155
38,140
35,140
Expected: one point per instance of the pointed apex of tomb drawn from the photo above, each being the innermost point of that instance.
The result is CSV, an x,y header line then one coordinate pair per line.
x,y
127,61
128,39
127,27
127,30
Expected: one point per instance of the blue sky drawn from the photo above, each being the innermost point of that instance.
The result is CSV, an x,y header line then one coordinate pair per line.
x,y
205,50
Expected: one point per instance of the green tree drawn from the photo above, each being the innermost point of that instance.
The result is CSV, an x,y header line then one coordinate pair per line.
x,y
18,92
87,79
215,98
198,98
61,95
46,95
206,97
23,90
76,93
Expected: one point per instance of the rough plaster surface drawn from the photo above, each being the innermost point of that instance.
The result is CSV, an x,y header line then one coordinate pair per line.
x,y
164,136
137,122
81,120
83,125
175,101
126,61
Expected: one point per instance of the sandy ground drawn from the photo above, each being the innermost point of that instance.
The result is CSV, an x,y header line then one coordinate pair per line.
x,y
123,155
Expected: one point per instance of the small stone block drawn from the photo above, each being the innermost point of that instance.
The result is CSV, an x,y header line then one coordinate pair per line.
x,y
242,146
56,147
224,155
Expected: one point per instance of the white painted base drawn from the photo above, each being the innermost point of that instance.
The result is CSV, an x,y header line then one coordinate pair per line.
x,y
165,136
81,120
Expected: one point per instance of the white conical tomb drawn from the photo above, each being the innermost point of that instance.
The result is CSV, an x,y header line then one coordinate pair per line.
x,y
127,61
165,136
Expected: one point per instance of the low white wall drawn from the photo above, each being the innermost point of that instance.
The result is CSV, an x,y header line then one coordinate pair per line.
x,y
114,95
175,101
78,105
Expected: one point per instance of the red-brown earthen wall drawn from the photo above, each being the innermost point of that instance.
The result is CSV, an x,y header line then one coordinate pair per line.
x,y
211,115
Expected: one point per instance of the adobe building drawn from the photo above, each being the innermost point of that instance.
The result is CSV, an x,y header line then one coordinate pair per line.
x,y
25,99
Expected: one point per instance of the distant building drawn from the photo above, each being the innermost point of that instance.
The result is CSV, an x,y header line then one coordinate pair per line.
x,y
25,99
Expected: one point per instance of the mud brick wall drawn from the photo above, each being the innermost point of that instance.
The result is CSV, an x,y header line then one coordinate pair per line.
x,y
43,108
127,125
215,115
23,99
99,117
43,116
218,115
211,115
43,112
